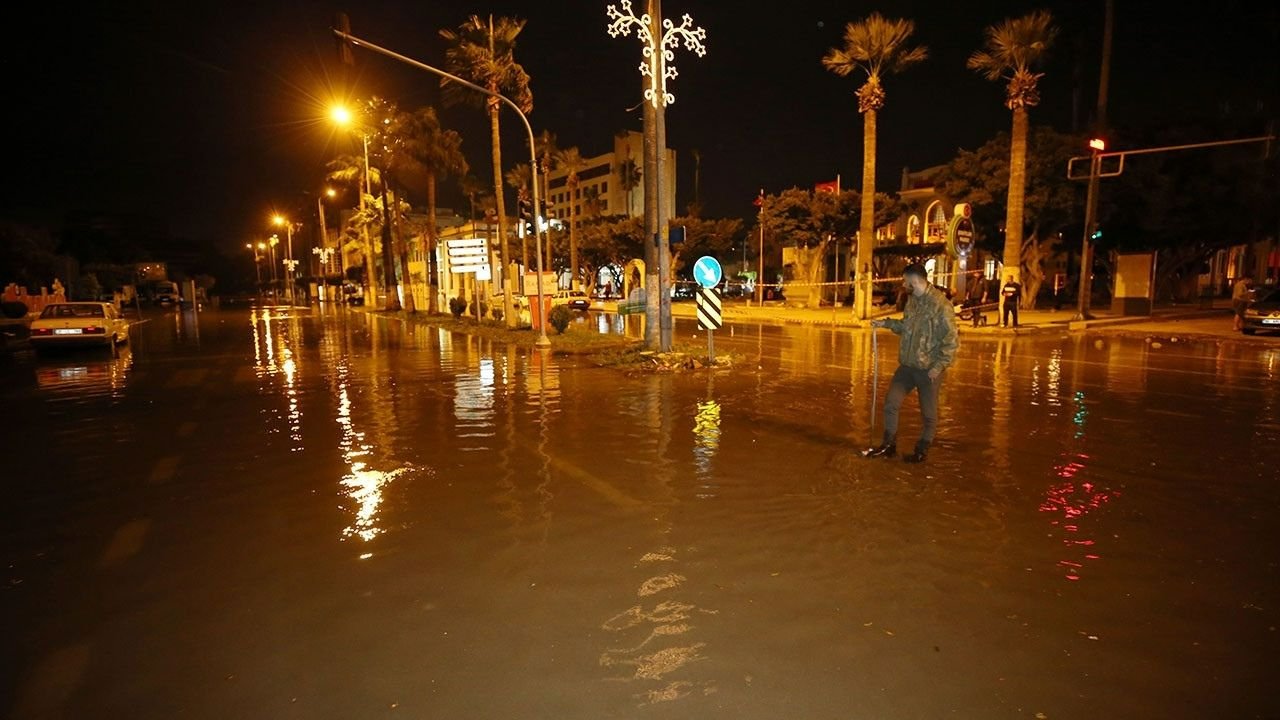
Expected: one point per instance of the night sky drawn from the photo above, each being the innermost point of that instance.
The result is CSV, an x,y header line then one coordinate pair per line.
x,y
198,118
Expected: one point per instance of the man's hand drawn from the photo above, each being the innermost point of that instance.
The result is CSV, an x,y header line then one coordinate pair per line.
x,y
934,373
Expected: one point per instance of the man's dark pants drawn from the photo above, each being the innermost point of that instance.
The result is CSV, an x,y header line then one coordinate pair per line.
x,y
1010,307
906,379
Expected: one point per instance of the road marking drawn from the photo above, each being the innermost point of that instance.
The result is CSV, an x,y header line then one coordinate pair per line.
x,y
186,429
187,378
51,684
125,543
164,469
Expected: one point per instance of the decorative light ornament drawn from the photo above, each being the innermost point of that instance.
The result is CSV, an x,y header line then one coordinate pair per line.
x,y
657,56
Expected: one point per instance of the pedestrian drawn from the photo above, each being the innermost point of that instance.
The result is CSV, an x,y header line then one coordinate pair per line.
x,y
977,297
926,350
1011,293
1239,301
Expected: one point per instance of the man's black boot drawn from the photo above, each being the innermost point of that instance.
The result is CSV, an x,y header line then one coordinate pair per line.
x,y
916,457
886,450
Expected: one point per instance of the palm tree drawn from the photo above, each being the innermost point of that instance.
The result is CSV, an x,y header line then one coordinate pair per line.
x,y
483,51
350,170
426,147
591,202
571,161
377,116
1013,48
520,178
546,148
876,46
629,179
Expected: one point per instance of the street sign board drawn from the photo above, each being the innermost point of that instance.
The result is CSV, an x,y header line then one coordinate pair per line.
x,y
707,271
531,283
709,309
467,255
960,235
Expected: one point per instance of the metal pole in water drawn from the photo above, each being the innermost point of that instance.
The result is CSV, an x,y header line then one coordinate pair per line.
x,y
875,381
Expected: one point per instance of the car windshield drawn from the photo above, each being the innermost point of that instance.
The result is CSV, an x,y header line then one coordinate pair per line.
x,y
1267,296
72,311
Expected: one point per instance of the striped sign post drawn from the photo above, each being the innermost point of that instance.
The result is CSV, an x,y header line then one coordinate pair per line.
x,y
709,317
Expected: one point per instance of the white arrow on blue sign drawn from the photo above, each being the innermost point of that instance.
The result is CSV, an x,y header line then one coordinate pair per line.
x,y
707,271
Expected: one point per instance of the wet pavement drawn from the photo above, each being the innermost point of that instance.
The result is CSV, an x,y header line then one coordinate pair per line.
x,y
320,514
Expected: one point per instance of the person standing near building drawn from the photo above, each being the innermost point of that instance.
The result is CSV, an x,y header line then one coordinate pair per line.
x,y
1011,295
1239,301
927,348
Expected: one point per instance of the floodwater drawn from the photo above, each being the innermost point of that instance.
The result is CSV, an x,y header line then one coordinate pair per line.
x,y
326,514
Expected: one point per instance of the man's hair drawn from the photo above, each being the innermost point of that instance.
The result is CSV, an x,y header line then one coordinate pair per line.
x,y
915,269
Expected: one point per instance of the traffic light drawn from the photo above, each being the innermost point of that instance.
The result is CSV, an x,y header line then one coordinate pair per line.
x,y
343,25
1096,235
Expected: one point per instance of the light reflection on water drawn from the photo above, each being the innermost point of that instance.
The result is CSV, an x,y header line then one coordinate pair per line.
x,y
362,483
275,334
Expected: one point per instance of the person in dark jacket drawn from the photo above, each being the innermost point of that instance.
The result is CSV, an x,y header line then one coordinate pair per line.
x,y
1011,296
927,348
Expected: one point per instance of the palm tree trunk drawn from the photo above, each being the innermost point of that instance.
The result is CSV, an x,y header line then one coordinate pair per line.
x,y
402,249
573,240
500,207
1017,193
433,273
388,260
867,220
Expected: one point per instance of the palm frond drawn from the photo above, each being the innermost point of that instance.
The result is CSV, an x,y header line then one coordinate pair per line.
x,y
876,45
1015,45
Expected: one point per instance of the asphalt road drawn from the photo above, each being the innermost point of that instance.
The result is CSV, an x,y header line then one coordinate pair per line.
x,y
327,514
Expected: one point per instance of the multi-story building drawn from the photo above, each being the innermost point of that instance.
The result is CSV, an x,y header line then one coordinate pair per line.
x,y
611,183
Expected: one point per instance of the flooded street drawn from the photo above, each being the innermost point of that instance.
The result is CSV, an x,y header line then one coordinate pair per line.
x,y
327,514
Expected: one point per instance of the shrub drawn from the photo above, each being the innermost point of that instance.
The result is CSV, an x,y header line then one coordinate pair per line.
x,y
457,306
13,309
484,308
560,317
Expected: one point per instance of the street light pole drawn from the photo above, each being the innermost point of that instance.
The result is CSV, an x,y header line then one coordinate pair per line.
x,y
543,340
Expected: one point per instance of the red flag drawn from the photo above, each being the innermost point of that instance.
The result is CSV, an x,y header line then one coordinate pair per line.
x,y
832,187
759,201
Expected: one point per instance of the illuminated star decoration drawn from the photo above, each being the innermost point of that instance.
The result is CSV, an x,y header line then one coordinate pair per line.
x,y
657,65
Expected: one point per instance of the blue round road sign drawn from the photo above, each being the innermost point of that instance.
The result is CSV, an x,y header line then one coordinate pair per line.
x,y
707,271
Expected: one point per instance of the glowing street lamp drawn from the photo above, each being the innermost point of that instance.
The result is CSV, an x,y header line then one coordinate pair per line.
x,y
289,262
257,268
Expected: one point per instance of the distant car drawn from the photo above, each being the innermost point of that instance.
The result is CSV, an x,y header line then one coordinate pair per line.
x,y
1263,312
79,323
166,293
575,299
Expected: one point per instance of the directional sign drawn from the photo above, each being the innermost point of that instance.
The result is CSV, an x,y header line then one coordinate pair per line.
x,y
709,314
468,255
707,271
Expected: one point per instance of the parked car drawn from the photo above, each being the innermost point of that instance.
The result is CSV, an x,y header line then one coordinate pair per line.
x,y
1263,312
79,323
575,299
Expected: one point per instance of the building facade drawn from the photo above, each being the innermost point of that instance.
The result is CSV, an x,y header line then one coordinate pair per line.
x,y
611,183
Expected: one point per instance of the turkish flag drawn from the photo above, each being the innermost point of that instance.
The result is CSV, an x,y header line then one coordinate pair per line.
x,y
759,201
832,187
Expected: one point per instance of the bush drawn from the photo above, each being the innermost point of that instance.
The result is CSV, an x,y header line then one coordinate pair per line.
x,y
13,309
484,308
457,306
560,317
497,313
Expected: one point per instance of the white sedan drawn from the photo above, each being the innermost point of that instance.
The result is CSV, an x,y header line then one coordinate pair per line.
x,y
79,323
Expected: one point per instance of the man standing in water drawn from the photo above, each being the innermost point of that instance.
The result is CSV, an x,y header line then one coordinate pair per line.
x,y
928,347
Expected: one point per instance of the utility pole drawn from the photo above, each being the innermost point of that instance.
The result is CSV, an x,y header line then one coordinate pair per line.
x,y
659,40
1095,168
